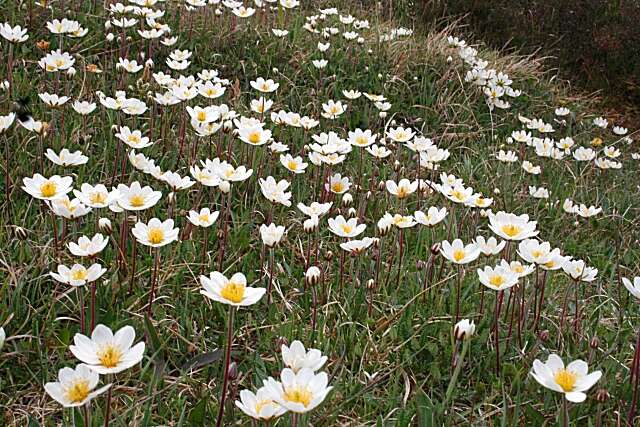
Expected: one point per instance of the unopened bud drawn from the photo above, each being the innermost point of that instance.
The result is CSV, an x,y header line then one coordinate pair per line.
x,y
602,395
20,233
104,224
544,335
347,199
435,248
328,255
371,284
464,329
352,212
233,371
312,276
594,343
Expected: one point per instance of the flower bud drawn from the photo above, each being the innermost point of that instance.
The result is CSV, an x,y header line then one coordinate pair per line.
x,y
233,371
42,44
464,329
328,255
3,336
347,199
602,395
20,233
594,343
371,284
352,212
312,276
104,224
280,342
310,225
110,37
224,186
544,335
435,248
71,72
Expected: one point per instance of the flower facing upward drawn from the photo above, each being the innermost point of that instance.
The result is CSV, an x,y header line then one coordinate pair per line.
x,y
88,247
156,233
512,227
106,352
15,34
343,228
47,188
296,357
498,278
573,380
137,198
271,234
233,291
96,196
402,189
299,392
260,405
459,253
432,217
204,218
78,275
75,387
293,164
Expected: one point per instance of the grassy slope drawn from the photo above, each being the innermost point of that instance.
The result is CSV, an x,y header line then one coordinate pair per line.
x,y
385,368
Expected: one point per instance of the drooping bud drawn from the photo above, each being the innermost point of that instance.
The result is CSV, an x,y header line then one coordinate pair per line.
x,y
464,329
104,224
20,233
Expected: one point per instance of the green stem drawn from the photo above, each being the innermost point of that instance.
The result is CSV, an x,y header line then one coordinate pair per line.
x,y
456,372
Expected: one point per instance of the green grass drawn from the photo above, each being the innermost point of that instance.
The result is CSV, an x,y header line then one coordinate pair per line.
x,y
388,368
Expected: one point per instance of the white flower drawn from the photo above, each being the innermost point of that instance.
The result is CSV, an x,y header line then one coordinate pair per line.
x,y
47,188
343,228
402,189
88,247
156,233
573,380
632,287
297,358
137,198
15,34
512,227
233,291
265,86
293,164
276,191
106,352
458,253
260,405
498,278
490,246
464,329
271,234
75,387
299,392
96,197
205,218
432,217
66,158
78,275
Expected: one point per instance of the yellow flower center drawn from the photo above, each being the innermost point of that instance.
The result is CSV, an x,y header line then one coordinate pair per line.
x,y
80,274
48,189
78,391
347,229
98,198
202,116
254,137
135,139
136,201
292,165
233,292
261,404
204,218
511,230
58,63
457,195
362,140
265,87
110,356
496,280
565,379
402,192
299,395
155,235
337,187
458,255
519,269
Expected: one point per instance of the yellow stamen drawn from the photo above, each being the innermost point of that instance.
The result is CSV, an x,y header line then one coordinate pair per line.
x,y
337,187
459,255
254,137
48,189
110,356
78,391
98,198
155,235
511,230
496,280
136,201
299,395
347,229
565,379
233,292
79,274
